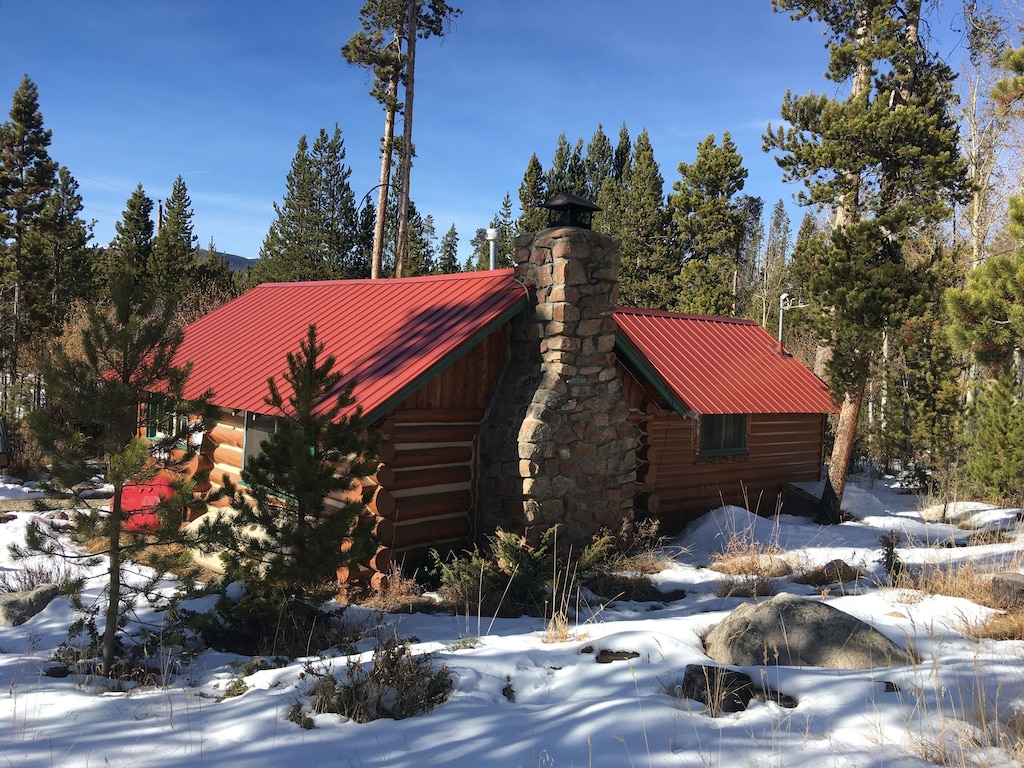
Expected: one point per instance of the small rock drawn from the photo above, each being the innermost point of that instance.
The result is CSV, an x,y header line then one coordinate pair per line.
x,y
605,656
1008,589
719,689
832,572
18,607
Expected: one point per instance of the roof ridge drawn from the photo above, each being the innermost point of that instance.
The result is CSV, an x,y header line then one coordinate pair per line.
x,y
495,273
640,311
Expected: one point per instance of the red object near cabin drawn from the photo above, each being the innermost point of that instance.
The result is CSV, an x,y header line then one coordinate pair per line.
x,y
138,503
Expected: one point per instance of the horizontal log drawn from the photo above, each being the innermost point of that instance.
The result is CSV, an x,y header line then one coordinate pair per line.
x,y
433,416
385,451
354,573
432,505
433,435
421,478
384,530
380,503
226,434
219,471
429,532
647,502
383,475
381,560
431,457
227,455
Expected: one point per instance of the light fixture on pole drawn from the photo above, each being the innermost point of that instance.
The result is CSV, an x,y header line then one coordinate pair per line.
x,y
787,302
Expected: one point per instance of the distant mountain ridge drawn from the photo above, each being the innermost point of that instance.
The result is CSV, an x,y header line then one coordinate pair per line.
x,y
237,263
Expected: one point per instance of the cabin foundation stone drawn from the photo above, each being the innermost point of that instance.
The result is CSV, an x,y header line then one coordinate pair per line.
x,y
558,425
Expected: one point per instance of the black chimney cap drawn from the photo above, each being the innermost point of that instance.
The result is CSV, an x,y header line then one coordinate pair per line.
x,y
570,211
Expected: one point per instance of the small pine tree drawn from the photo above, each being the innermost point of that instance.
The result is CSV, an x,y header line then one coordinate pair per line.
x,y
996,438
314,453
99,385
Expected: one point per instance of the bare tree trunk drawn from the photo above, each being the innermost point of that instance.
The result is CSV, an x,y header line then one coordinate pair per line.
x,y
410,71
114,598
385,179
842,449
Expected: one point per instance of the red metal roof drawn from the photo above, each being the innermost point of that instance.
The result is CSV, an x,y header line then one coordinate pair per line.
x,y
391,336
388,335
718,365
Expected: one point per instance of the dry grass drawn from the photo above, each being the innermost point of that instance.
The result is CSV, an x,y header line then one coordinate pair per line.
x,y
400,593
752,566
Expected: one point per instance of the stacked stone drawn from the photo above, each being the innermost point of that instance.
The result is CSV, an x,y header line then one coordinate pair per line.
x,y
569,454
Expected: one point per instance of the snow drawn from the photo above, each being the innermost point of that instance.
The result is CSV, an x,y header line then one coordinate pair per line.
x,y
569,710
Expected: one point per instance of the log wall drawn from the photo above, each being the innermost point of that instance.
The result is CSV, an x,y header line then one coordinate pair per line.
x,y
429,449
676,486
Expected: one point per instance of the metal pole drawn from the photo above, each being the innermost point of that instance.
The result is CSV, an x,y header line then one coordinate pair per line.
x,y
782,309
492,238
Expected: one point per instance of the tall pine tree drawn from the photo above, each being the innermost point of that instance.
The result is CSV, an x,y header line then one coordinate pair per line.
x,y
315,235
174,259
130,251
710,220
885,159
27,178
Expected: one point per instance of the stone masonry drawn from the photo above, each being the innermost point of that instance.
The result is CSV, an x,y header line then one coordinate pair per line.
x,y
558,445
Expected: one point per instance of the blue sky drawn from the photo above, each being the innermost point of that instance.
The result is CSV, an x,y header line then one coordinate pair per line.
x,y
219,91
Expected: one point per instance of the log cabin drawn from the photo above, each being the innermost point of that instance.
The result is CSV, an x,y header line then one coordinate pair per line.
x,y
522,398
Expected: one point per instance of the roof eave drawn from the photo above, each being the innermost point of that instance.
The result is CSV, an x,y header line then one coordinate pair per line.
x,y
625,347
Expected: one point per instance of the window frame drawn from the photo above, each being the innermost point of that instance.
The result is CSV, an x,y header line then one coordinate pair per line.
x,y
162,421
730,431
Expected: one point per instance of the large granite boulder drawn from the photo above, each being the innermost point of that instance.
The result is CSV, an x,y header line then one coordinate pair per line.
x,y
18,607
788,630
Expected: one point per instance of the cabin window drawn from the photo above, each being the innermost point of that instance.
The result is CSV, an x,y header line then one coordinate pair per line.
x,y
162,421
723,434
257,429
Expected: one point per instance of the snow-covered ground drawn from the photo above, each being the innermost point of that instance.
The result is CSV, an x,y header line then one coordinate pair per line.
x,y
569,710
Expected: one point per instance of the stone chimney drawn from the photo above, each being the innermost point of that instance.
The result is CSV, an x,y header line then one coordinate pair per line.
x,y
558,446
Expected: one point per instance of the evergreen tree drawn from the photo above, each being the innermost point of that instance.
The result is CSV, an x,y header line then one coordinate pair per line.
x,y
988,312
576,182
611,198
533,193
132,247
422,256
645,278
27,179
315,452
557,177
100,388
996,438
597,163
705,202
904,173
67,248
315,235
502,221
710,219
622,157
448,252
173,260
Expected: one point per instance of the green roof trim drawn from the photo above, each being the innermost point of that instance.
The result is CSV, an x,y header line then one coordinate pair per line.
x,y
381,411
625,348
